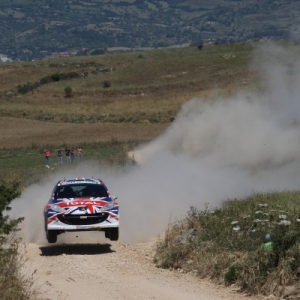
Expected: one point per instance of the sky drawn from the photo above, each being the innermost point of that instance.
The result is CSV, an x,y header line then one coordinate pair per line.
x,y
214,150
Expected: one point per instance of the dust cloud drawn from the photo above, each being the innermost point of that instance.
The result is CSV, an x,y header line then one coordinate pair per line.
x,y
214,150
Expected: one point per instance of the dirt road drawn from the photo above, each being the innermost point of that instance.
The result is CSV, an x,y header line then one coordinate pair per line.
x,y
113,270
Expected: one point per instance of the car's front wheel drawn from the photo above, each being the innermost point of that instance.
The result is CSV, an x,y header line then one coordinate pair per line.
x,y
114,234
51,236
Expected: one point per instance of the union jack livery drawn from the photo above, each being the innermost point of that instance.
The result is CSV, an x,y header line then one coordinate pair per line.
x,y
81,204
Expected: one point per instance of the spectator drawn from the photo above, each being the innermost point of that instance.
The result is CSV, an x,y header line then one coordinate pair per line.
x,y
47,156
68,155
79,152
59,154
72,155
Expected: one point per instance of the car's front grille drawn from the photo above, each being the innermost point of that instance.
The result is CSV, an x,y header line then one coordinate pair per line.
x,y
83,219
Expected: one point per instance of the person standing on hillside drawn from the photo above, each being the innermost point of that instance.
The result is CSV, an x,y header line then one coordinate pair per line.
x,y
79,152
72,155
68,155
47,156
59,155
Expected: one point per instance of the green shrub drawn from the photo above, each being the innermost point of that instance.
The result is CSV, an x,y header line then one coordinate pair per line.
x,y
106,84
68,91
8,192
231,275
55,77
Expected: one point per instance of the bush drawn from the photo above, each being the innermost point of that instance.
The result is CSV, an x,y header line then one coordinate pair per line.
x,y
231,275
68,91
55,77
106,84
8,192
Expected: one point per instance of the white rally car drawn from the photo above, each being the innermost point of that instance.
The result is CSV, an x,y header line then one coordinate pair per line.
x,y
81,204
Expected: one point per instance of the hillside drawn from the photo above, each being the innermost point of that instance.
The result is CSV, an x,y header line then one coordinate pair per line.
x,y
147,90
138,87
37,29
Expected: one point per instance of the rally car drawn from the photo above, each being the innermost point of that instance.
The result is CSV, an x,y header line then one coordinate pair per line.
x,y
81,204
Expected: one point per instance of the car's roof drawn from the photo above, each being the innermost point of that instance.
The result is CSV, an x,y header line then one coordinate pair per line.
x,y
80,180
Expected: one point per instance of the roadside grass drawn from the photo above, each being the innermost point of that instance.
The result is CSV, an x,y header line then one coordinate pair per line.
x,y
226,243
13,284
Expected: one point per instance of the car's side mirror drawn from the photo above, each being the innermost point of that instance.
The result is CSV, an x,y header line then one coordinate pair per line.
x,y
115,197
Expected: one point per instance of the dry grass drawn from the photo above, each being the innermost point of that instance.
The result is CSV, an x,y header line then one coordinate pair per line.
x,y
13,284
23,133
148,86
147,91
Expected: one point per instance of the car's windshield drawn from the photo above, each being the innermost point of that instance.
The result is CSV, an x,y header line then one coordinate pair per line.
x,y
81,190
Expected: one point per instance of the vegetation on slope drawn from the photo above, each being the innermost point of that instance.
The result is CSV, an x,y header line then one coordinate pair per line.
x,y
144,87
229,244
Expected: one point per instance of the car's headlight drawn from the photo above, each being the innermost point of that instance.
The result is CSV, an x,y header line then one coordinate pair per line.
x,y
56,208
108,205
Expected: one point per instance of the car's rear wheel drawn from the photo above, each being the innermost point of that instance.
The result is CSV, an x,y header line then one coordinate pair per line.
x,y
114,234
51,236
107,233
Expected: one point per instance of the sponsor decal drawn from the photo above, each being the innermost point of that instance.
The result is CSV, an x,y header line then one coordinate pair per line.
x,y
82,226
76,203
57,227
108,225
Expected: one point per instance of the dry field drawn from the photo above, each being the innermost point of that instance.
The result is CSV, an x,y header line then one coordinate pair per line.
x,y
147,89
23,133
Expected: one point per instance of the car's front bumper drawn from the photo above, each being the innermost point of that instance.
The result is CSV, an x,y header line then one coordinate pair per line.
x,y
80,223
94,227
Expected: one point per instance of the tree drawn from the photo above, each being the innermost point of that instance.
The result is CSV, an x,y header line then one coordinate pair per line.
x,y
8,192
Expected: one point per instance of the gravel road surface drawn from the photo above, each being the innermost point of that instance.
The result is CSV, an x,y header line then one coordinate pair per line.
x,y
113,270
